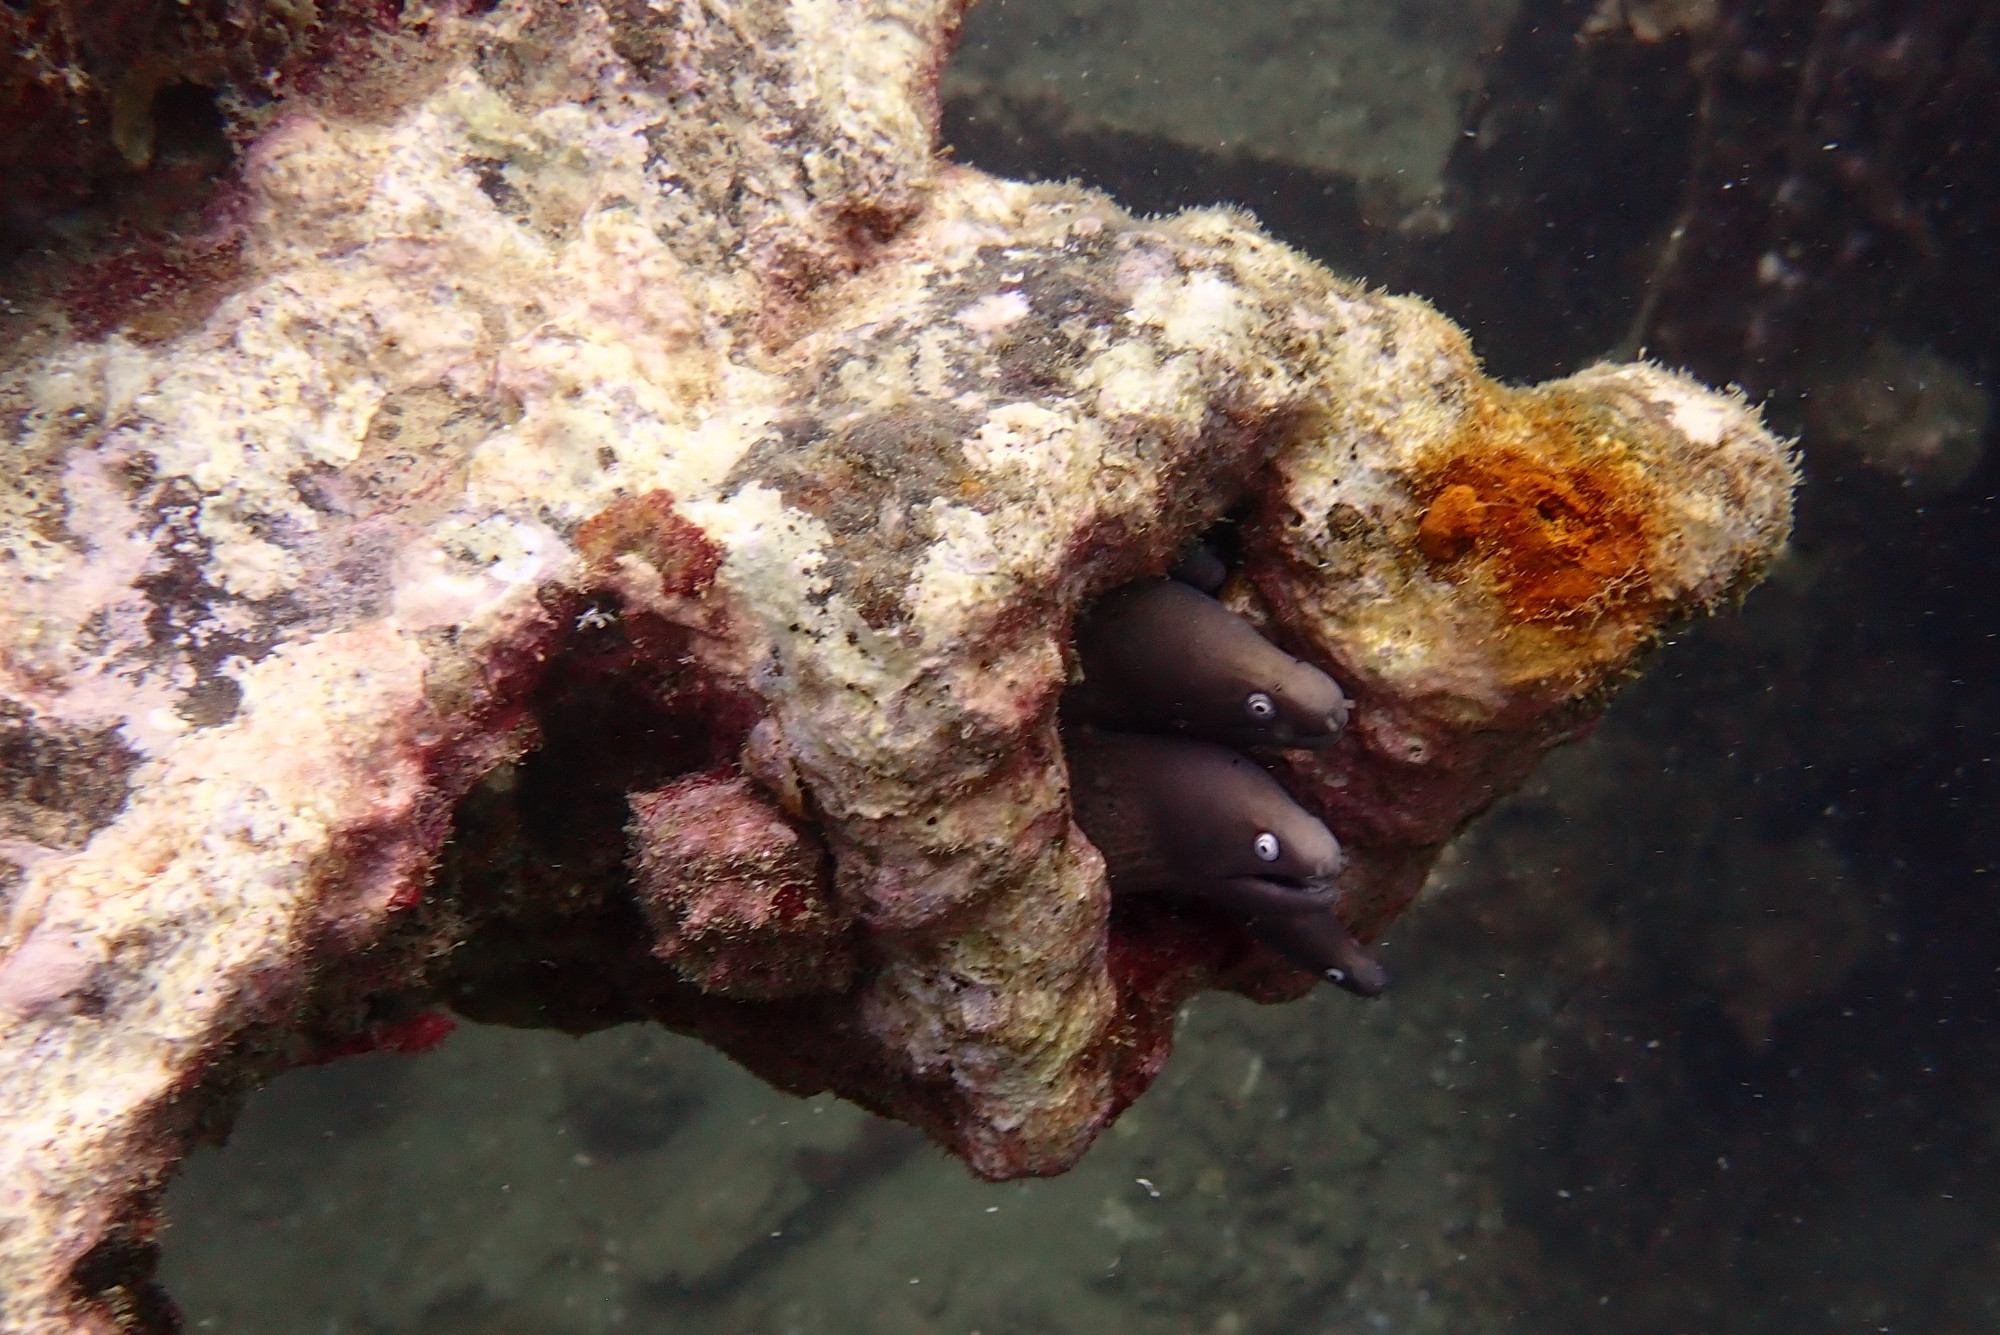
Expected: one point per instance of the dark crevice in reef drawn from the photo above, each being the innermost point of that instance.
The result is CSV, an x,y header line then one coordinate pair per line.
x,y
116,1277
550,928
537,858
123,124
536,883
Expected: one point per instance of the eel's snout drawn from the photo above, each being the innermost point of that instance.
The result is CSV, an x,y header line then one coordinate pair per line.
x,y
1321,942
1270,700
1307,709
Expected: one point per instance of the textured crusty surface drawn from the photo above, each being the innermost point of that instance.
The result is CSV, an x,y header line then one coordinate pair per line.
x,y
645,353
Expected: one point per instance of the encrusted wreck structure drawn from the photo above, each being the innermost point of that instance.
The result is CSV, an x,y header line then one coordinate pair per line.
x,y
1768,187
605,545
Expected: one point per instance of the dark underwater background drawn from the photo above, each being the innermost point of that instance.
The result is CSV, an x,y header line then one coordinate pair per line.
x,y
1694,1036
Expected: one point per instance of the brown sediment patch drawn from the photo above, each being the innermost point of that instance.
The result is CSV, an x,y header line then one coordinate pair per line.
x,y
1533,498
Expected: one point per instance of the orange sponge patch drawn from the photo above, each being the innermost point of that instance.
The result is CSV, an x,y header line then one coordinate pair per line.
x,y
1563,535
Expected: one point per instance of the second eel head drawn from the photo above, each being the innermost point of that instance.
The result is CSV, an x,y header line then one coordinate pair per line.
x,y
1162,656
1200,821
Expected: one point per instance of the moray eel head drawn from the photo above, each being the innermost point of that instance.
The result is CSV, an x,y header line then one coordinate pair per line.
x,y
1161,656
1321,942
1198,820
1292,704
1292,858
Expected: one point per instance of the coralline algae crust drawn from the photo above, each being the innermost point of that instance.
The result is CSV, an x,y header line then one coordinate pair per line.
x,y
633,454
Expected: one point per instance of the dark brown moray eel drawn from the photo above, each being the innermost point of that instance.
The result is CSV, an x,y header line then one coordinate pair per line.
x,y
1161,656
1190,817
1195,819
1322,943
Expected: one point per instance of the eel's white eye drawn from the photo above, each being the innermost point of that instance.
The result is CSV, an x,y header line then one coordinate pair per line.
x,y
1266,846
1259,706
